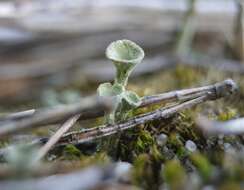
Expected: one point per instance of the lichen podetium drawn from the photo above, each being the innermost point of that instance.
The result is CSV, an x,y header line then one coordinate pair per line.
x,y
125,55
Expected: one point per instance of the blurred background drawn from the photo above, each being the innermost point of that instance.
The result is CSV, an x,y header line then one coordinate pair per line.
x,y
48,44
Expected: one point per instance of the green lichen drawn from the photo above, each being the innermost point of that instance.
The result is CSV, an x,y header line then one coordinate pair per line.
x,y
125,55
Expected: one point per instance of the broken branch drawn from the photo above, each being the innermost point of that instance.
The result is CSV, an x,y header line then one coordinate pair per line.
x,y
87,107
220,90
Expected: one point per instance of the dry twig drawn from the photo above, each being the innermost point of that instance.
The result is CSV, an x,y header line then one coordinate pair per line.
x,y
218,90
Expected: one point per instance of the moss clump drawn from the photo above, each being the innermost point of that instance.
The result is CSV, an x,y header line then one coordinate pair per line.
x,y
146,172
228,114
174,175
202,164
70,152
141,172
144,141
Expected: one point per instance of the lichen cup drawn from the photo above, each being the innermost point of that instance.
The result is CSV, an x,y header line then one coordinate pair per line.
x,y
125,55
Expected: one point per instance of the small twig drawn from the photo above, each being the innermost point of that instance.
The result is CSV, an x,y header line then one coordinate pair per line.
x,y
54,139
188,94
88,108
162,113
107,130
232,127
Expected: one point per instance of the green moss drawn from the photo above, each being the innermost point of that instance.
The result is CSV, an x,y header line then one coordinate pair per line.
x,y
202,164
174,174
144,141
228,114
175,140
70,152
156,154
186,76
140,172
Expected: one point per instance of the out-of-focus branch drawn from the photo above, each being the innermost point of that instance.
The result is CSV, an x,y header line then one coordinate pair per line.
x,y
83,179
231,127
87,108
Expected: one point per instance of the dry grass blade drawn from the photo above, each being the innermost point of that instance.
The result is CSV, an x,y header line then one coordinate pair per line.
x,y
54,139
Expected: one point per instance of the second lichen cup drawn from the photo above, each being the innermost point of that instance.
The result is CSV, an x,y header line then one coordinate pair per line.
x,y
125,55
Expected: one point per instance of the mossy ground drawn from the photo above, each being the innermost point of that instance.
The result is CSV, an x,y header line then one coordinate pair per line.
x,y
172,165
217,161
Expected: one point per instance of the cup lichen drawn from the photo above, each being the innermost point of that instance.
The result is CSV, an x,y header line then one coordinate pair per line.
x,y
125,55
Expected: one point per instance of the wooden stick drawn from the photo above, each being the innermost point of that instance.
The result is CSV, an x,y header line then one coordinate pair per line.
x,y
188,94
107,130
